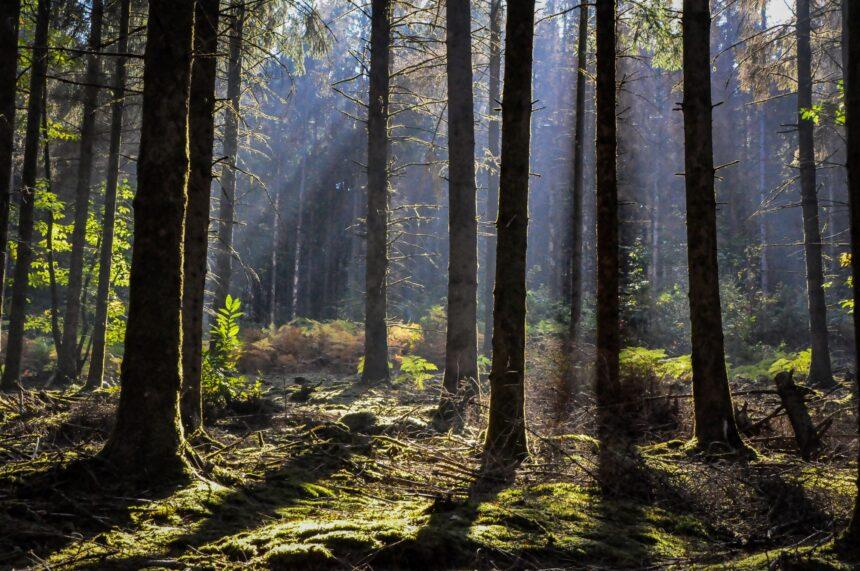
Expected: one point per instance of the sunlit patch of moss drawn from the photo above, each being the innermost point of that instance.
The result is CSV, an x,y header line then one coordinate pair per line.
x,y
299,556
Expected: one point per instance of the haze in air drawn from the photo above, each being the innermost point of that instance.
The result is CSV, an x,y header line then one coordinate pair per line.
x,y
441,284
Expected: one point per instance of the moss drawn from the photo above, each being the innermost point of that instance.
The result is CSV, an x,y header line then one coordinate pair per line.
x,y
300,556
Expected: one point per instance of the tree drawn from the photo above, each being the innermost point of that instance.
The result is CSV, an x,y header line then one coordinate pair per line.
x,y
506,442
376,301
26,206
461,343
201,132
227,208
493,141
147,442
67,359
820,371
607,383
9,15
851,22
96,371
577,180
712,400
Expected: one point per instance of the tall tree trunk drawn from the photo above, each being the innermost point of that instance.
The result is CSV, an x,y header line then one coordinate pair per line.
x,y
97,360
376,302
201,133
226,212
493,142
578,180
56,334
764,269
147,442
714,413
461,342
10,12
24,253
506,432
851,54
607,383
67,359
820,372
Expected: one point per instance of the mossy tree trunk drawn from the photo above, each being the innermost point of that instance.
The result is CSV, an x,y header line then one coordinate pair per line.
x,y
26,206
506,442
227,196
9,17
577,180
820,371
714,413
96,371
201,132
493,142
607,384
67,359
376,299
461,342
851,14
147,442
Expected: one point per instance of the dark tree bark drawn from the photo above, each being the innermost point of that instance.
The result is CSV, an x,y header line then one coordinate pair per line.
x,y
147,442
95,374
227,208
493,141
578,180
9,16
607,383
461,343
26,206
714,413
376,301
506,432
67,359
851,14
201,133
820,371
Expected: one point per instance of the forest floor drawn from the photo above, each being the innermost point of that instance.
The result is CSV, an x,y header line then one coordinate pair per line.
x,y
327,473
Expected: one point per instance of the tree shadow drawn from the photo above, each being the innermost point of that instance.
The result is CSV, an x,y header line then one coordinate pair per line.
x,y
444,541
67,504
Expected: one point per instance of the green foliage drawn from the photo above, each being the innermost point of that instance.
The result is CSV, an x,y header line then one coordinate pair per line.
x,y
220,379
416,369
643,363
799,363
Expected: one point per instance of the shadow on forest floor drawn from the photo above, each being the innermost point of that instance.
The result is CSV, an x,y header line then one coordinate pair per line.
x,y
310,492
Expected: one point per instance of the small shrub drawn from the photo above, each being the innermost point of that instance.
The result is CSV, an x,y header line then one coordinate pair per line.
x,y
416,369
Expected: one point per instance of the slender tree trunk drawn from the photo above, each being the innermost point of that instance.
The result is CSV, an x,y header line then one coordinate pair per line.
x,y
820,372
9,16
298,250
201,133
851,21
26,207
764,269
226,212
714,413
376,302
147,443
67,357
56,334
506,442
578,180
461,344
493,142
97,360
607,384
